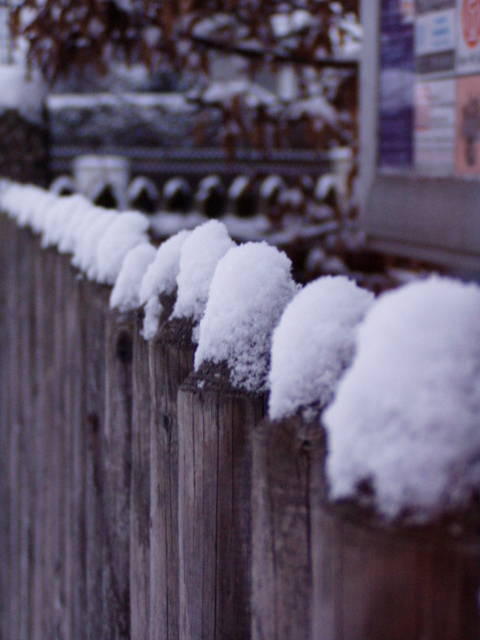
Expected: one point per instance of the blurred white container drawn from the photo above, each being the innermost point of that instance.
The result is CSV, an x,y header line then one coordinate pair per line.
x,y
92,173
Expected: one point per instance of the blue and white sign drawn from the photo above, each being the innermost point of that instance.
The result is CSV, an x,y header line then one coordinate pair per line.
x,y
435,35
435,32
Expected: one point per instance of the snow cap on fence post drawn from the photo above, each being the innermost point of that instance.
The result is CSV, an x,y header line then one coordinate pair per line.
x,y
58,216
125,295
128,230
314,343
250,288
406,416
199,256
85,256
160,278
80,221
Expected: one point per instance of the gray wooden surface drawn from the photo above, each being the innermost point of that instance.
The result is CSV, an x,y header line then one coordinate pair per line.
x,y
288,460
140,491
139,500
215,425
171,360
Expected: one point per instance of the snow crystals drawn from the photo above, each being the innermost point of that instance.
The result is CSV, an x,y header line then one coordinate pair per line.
x,y
160,278
250,288
406,415
125,233
200,253
314,343
126,292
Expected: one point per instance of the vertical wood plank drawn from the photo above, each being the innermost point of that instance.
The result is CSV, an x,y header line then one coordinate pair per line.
x,y
215,426
171,360
391,581
96,305
75,472
13,435
117,443
57,538
46,441
326,613
140,493
288,460
26,390
5,231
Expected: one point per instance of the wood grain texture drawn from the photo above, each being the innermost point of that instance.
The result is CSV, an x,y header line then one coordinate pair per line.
x,y
372,581
215,425
96,309
117,446
46,446
288,460
140,492
6,229
171,361
27,251
75,471
10,431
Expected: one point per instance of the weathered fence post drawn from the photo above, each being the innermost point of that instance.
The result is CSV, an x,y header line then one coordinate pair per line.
x,y
117,442
171,360
215,426
5,234
76,456
11,432
372,581
26,393
140,492
288,460
96,309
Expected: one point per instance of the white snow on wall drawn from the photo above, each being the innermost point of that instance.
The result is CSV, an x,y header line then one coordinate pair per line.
x,y
125,233
199,256
407,413
314,343
125,295
18,92
159,278
250,288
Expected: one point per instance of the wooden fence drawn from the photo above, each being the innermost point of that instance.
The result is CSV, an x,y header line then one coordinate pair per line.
x,y
141,500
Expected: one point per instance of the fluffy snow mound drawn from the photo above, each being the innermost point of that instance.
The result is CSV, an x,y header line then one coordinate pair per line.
x,y
125,295
250,288
160,277
27,204
86,247
125,233
80,220
58,216
314,344
199,256
407,414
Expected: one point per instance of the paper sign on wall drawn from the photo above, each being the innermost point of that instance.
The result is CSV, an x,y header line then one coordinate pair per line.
x,y
434,139
468,36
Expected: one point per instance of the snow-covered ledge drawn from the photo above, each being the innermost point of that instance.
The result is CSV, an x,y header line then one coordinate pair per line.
x,y
18,92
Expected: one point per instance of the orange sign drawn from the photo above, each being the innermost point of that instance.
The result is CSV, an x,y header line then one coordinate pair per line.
x,y
468,126
471,22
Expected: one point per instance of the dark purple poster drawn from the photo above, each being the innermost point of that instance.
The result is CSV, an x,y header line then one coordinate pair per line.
x,y
397,63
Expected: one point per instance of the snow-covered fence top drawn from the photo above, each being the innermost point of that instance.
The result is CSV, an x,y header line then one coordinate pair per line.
x,y
371,402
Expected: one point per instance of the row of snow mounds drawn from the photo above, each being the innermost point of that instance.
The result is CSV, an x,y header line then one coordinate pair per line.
x,y
398,380
98,239
395,381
